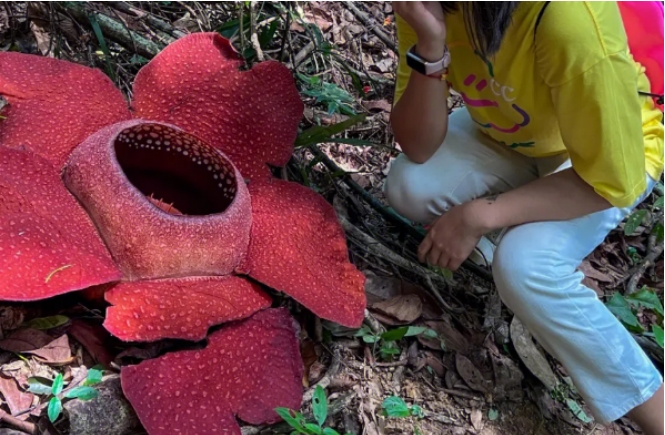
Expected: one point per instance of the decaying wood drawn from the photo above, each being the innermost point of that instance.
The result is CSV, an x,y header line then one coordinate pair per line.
x,y
113,29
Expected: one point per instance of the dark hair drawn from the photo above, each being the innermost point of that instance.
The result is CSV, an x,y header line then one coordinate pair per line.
x,y
486,22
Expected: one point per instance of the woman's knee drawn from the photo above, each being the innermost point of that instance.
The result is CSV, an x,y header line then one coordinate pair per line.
x,y
406,191
521,272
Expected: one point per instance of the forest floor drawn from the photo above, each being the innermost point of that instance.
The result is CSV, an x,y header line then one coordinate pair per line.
x,y
462,361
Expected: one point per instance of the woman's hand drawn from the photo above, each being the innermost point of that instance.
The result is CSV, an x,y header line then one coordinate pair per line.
x,y
452,237
427,20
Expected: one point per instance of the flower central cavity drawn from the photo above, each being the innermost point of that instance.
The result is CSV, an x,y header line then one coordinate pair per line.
x,y
178,172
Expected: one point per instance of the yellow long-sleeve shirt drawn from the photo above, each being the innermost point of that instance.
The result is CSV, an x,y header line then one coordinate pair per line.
x,y
572,88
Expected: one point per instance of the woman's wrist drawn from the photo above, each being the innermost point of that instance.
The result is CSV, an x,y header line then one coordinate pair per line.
x,y
431,51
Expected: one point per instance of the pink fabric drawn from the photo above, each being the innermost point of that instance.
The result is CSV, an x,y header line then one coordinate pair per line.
x,y
643,22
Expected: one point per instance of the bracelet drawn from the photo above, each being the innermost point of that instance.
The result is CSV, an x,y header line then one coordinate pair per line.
x,y
442,76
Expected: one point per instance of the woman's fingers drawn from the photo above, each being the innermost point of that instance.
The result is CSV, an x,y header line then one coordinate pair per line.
x,y
424,248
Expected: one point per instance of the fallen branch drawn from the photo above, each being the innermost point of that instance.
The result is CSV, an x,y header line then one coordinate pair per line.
x,y
149,18
637,272
376,248
332,371
24,426
389,215
254,38
371,25
112,29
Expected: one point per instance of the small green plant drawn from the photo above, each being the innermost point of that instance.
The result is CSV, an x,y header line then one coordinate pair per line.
x,y
623,308
54,390
395,407
336,99
300,424
386,343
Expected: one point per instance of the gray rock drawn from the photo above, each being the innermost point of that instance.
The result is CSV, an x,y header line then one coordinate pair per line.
x,y
107,414
5,431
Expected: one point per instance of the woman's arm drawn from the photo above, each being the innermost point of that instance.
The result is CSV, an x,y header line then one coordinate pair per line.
x,y
420,118
560,196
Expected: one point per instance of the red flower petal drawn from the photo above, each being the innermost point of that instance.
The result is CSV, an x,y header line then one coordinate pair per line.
x,y
48,246
251,116
248,369
54,105
126,173
298,247
180,308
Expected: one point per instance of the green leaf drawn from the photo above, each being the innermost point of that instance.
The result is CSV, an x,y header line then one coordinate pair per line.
x,y
414,330
658,203
292,418
44,323
312,428
329,431
648,299
658,232
94,377
58,382
658,334
417,411
634,221
492,414
268,33
369,339
395,334
54,408
97,30
578,411
317,134
430,333
395,407
83,393
38,385
364,330
320,405
446,273
620,308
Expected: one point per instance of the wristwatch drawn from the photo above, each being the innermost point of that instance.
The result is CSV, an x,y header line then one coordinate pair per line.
x,y
424,67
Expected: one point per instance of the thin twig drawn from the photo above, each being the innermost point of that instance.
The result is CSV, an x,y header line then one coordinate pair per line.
x,y
369,23
376,248
639,270
335,365
287,26
25,426
254,37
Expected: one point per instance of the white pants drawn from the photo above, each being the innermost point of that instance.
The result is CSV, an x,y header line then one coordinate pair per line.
x,y
535,264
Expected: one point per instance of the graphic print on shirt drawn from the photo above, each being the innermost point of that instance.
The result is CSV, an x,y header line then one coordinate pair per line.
x,y
498,90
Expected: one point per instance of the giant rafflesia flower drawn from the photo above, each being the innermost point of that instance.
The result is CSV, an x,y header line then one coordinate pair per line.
x,y
173,204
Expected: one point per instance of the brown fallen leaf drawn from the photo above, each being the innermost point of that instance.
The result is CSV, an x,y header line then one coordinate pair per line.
x,y
470,374
309,357
25,339
93,338
532,358
452,338
477,419
57,352
400,310
594,273
15,398
379,288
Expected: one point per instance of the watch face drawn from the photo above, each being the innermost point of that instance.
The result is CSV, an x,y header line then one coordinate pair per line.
x,y
415,63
